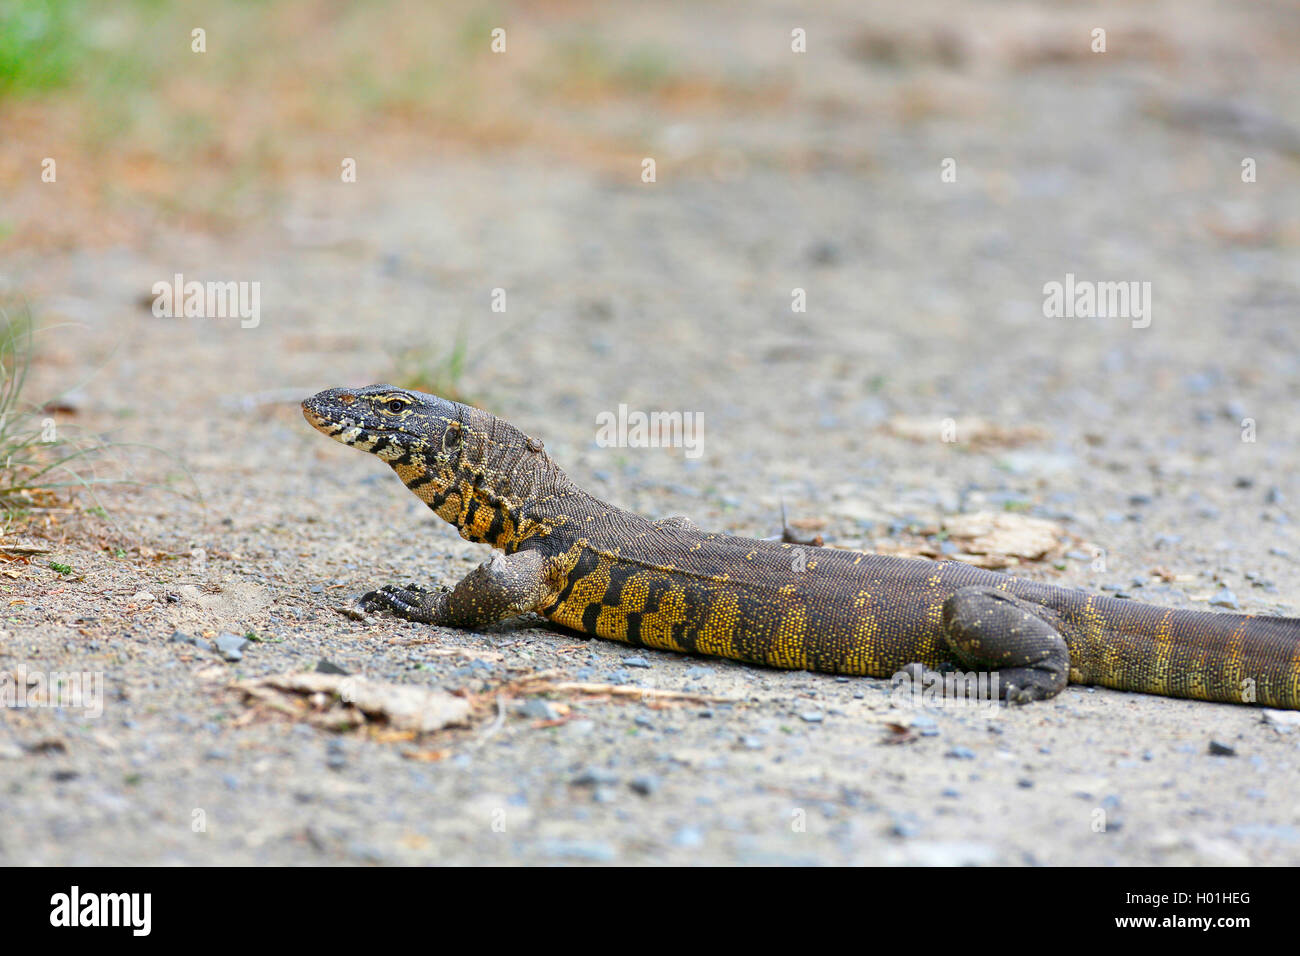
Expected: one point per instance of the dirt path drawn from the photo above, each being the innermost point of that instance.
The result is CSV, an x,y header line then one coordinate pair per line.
x,y
925,300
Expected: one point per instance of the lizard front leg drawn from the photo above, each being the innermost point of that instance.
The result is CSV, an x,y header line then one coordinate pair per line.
x,y
501,587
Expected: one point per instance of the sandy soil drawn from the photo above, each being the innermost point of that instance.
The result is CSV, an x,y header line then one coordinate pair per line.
x,y
924,300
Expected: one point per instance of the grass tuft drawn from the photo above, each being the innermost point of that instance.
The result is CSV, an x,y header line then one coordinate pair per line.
x,y
38,459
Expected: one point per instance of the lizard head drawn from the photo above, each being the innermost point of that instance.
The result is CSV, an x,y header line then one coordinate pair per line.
x,y
393,423
467,465
418,434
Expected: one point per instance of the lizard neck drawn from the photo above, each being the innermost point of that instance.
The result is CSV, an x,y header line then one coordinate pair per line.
x,y
514,495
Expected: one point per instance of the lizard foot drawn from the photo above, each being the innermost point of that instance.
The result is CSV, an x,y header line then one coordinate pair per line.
x,y
411,603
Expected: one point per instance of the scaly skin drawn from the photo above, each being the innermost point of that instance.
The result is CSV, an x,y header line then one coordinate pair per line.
x,y
612,574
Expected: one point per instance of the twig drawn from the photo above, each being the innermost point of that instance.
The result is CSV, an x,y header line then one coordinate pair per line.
x,y
495,725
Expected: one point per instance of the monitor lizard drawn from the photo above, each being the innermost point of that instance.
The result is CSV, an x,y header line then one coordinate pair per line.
x,y
598,569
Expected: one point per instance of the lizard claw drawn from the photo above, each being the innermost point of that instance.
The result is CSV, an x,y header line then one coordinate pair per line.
x,y
409,603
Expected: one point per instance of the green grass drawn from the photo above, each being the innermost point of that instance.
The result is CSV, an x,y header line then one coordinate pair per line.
x,y
37,457
436,371
41,43
440,369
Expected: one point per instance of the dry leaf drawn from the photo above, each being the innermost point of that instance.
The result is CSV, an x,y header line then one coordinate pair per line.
x,y
339,700
1005,533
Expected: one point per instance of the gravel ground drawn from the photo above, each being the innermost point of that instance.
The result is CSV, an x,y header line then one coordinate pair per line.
x,y
924,300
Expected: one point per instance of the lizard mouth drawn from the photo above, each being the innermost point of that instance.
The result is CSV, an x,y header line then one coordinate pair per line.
x,y
351,429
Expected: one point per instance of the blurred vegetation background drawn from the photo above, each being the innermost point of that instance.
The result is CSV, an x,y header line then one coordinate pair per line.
x,y
134,115
148,132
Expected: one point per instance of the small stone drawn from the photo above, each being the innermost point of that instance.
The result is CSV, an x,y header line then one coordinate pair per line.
x,y
636,662
594,777
1284,720
824,253
961,753
905,827
141,597
324,666
646,784
1225,598
180,637
231,646
538,709
1222,750
812,716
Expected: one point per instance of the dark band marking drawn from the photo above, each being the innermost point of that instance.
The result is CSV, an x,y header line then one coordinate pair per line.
x,y
587,562
589,617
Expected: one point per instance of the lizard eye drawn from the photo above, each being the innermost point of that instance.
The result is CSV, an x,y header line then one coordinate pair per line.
x,y
395,406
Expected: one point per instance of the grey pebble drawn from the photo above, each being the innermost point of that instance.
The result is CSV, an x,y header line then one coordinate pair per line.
x,y
231,645
595,776
1225,598
646,784
538,709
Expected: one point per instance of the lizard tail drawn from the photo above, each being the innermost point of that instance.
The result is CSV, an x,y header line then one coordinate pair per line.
x,y
1235,658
